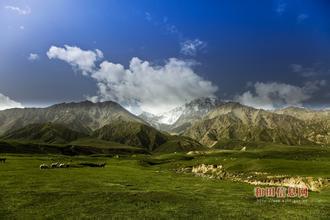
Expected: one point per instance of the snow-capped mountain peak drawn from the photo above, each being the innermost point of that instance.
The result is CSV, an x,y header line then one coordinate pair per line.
x,y
187,112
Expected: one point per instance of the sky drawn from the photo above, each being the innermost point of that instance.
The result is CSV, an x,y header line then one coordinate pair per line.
x,y
156,55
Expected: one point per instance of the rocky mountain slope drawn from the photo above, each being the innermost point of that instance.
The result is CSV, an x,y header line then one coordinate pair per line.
x,y
179,119
83,117
131,133
108,121
317,122
305,113
233,121
137,134
206,121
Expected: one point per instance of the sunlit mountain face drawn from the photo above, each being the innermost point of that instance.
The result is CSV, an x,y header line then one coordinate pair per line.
x,y
155,56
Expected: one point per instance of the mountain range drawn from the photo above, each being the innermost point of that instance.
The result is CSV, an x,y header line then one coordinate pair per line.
x,y
69,123
213,122
201,123
233,121
83,116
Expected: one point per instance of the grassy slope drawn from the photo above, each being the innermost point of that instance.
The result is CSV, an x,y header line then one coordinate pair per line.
x,y
274,159
84,146
131,133
117,136
137,134
45,132
99,143
177,143
127,188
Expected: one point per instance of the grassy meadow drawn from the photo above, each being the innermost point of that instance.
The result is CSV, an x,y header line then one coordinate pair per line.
x,y
147,186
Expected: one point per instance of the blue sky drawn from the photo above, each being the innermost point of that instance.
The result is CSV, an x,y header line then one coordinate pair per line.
x,y
263,53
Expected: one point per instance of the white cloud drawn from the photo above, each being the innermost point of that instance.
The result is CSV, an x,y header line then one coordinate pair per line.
x,y
6,103
83,60
191,47
296,68
154,89
318,69
274,95
281,7
21,27
147,87
20,11
187,46
148,16
302,17
33,57
163,24
312,86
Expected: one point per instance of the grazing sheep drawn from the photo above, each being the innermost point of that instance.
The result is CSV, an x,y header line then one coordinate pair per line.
x,y
63,165
44,166
89,164
2,160
55,165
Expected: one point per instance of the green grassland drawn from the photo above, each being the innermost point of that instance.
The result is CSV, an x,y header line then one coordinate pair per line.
x,y
83,146
143,186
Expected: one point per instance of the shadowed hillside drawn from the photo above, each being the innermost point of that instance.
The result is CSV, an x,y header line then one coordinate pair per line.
x,y
119,136
47,133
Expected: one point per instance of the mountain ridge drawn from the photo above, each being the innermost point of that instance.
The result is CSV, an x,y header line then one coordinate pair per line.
x,y
205,120
79,116
182,116
234,121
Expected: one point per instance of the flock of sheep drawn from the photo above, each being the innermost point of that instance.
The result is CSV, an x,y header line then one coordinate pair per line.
x,y
54,165
63,165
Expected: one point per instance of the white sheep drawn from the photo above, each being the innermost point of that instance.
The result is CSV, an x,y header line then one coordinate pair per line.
x,y
44,166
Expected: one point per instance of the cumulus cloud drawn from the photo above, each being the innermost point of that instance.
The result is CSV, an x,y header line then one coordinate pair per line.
x,y
147,87
20,11
79,59
33,57
273,95
6,103
191,47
